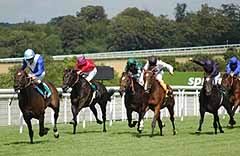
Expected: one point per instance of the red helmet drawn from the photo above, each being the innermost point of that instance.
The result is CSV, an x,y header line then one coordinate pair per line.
x,y
81,60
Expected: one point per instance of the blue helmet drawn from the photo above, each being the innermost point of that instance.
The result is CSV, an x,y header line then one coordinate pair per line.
x,y
233,60
29,54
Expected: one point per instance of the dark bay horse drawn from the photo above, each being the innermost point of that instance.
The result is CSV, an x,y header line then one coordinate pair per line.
x,y
33,105
157,100
211,99
81,96
232,86
135,99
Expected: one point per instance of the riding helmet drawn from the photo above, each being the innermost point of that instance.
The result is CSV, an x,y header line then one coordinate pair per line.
x,y
152,60
29,54
81,60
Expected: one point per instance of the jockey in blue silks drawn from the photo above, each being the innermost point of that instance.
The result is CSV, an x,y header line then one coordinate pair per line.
x,y
233,67
35,63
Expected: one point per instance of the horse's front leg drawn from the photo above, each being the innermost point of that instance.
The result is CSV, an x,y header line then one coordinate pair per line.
x,y
27,119
129,118
155,118
218,122
202,113
42,131
74,120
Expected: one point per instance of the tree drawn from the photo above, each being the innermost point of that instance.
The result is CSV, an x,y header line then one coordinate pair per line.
x,y
180,11
92,13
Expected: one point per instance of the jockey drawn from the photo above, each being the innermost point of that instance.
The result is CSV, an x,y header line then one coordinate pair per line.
x,y
35,63
88,68
158,66
134,68
233,67
211,69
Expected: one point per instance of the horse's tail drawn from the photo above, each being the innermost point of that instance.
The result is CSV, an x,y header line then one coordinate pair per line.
x,y
110,93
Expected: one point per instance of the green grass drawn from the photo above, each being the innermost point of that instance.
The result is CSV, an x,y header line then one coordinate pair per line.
x,y
180,78
121,140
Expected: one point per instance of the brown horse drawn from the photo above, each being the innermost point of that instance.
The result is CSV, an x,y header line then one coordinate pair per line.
x,y
157,100
232,86
82,96
135,99
33,105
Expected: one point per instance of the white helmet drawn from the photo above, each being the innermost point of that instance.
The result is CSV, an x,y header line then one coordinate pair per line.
x,y
29,54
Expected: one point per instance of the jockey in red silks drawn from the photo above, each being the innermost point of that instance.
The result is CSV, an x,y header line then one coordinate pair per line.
x,y
88,69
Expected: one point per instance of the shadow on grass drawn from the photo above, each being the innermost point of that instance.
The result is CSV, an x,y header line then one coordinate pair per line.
x,y
202,133
136,134
229,127
84,132
26,142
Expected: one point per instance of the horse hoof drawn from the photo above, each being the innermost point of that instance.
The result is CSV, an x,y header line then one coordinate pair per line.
x,y
104,130
221,131
99,122
198,132
134,123
56,134
174,132
139,131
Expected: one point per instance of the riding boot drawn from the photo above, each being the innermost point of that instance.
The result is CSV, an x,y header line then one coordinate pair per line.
x,y
164,87
94,87
41,86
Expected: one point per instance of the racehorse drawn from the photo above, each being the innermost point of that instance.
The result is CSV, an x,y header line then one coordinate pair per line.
x,y
211,99
82,96
33,105
157,100
135,99
232,86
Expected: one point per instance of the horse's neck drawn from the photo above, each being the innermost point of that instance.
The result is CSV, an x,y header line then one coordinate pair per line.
x,y
236,84
82,84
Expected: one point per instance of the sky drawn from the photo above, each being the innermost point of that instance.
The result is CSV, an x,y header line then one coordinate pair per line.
x,y
42,11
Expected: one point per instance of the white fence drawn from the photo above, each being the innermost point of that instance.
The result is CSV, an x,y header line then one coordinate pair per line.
x,y
185,51
186,99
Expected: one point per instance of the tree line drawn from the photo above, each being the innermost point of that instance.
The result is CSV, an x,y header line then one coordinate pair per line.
x,y
90,31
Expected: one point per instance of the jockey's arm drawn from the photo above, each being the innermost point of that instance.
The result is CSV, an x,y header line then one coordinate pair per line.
x,y
40,66
237,70
166,65
228,69
201,63
24,65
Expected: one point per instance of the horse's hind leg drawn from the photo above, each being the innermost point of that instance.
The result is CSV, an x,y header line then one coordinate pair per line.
x,y
103,108
42,131
171,112
94,110
56,111
29,124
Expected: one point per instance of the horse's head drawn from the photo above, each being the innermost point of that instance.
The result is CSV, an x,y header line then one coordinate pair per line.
x,y
227,81
70,78
208,85
125,82
21,80
148,79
